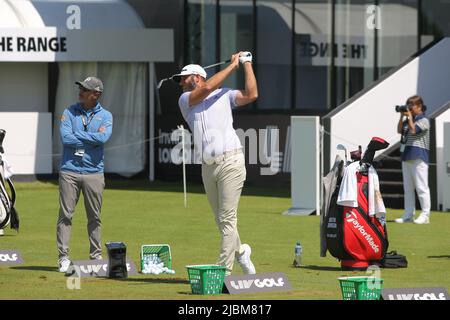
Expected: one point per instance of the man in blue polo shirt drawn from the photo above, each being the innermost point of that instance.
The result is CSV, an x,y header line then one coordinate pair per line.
x,y
85,128
415,149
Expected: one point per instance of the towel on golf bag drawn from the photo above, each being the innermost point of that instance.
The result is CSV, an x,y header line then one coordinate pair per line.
x,y
348,193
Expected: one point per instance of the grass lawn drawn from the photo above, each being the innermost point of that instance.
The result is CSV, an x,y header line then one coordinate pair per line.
x,y
141,213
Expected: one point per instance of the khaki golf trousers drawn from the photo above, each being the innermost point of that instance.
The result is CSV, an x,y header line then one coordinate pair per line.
x,y
223,181
70,186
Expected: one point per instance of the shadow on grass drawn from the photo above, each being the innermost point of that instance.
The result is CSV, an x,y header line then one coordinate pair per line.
x,y
321,268
157,280
115,182
439,257
36,268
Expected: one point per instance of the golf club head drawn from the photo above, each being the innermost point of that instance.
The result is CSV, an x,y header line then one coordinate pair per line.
x,y
2,136
343,148
356,155
158,86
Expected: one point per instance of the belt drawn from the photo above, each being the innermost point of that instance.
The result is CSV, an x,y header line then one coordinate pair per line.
x,y
220,158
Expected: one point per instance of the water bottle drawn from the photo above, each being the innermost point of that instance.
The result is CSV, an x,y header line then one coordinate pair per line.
x,y
298,255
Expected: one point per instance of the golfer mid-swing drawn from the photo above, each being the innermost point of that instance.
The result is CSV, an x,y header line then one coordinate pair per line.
x,y
206,107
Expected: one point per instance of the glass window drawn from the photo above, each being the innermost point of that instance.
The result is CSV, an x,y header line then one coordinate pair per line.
x,y
200,27
236,34
274,53
435,20
397,33
355,48
312,54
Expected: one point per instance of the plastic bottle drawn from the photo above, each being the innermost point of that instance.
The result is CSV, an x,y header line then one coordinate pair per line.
x,y
298,255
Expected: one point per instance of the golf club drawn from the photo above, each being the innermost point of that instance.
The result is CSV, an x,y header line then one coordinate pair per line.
x,y
341,147
207,67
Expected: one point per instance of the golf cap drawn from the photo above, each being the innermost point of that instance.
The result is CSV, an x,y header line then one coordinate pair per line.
x,y
91,83
188,70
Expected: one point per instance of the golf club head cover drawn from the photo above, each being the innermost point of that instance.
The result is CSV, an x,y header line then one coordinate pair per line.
x,y
245,56
374,145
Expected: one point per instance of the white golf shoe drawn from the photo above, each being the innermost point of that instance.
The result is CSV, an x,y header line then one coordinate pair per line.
x,y
64,265
2,232
244,259
422,219
405,218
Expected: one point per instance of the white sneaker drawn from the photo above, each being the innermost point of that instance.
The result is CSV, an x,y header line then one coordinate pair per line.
x,y
422,219
244,259
2,232
405,218
64,265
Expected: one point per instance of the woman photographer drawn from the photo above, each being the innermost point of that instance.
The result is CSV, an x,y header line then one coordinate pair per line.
x,y
415,149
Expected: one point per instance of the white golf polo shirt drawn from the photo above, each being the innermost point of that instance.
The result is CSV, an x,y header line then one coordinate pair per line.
x,y
211,122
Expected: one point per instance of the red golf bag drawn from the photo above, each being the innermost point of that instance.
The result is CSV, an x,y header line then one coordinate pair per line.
x,y
352,236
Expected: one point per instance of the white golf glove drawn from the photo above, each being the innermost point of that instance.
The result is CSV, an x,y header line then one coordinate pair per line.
x,y
245,56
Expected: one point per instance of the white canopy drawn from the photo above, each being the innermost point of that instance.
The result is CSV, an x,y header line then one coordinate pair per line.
x,y
53,13
89,30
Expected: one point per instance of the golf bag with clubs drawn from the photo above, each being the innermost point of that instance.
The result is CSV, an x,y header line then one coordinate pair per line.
x,y
353,233
8,214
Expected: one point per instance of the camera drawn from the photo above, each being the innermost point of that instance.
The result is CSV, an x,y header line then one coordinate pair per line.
x,y
402,108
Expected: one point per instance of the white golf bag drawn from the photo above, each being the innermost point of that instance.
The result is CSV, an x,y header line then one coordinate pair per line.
x,y
8,214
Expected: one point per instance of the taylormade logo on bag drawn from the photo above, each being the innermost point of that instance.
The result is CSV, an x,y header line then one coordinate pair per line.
x,y
351,218
257,283
10,257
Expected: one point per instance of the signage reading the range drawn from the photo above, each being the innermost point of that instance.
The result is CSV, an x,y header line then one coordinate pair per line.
x,y
10,257
265,282
48,44
97,268
415,294
316,50
33,44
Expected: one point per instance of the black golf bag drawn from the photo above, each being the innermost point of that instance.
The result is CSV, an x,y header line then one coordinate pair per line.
x,y
350,234
8,214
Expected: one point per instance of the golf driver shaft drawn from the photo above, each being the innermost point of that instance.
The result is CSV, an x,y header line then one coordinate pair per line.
x,y
207,67
219,63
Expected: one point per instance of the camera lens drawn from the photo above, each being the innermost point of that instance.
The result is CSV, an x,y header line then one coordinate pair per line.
x,y
401,108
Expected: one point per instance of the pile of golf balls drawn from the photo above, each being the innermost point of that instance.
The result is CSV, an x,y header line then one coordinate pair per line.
x,y
154,265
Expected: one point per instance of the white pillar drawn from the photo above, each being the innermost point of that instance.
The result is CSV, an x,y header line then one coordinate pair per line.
x,y
305,166
446,173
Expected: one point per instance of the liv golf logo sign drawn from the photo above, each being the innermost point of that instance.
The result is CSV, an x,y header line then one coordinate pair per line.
x,y
10,257
97,268
264,282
